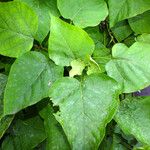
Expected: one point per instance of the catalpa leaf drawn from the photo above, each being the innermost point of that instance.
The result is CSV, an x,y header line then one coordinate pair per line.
x,y
67,43
130,66
84,13
43,10
56,139
85,108
140,23
133,118
18,26
120,10
29,80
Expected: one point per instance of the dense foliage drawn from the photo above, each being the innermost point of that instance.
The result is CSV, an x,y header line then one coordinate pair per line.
x,y
72,74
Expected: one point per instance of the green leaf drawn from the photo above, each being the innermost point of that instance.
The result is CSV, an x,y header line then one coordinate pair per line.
x,y
95,34
84,13
133,118
121,30
29,80
85,108
18,26
93,67
56,138
3,81
140,23
101,55
144,38
130,66
8,143
5,121
26,134
43,10
117,144
120,10
67,43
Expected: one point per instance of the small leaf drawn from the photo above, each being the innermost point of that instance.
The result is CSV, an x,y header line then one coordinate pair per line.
x,y
18,26
56,138
77,68
85,108
133,118
67,43
84,13
29,80
130,66
93,67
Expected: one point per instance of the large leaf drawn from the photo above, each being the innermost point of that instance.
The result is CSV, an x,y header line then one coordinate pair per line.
x,y
25,135
56,138
83,13
120,10
140,23
29,80
68,42
43,10
133,118
18,26
85,108
130,66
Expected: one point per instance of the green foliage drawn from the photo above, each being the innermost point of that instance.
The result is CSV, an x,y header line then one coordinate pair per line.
x,y
68,70
18,26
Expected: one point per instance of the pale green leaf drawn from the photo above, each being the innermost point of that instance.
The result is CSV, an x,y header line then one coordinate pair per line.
x,y
29,80
93,67
123,9
85,108
130,66
77,68
84,13
133,118
67,43
43,9
18,26
56,138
